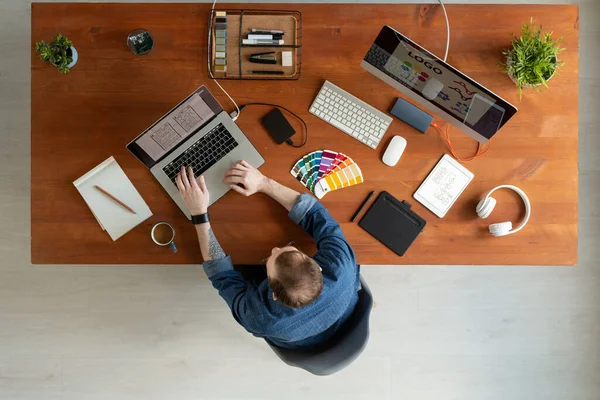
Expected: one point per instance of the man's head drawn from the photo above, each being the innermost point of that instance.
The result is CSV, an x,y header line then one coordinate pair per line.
x,y
295,278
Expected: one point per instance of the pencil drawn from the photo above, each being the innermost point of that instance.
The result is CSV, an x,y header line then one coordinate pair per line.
x,y
362,206
113,198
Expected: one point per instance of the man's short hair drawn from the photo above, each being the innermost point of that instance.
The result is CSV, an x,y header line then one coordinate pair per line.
x,y
298,280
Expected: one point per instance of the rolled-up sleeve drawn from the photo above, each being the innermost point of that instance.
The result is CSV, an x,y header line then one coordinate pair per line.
x,y
303,204
214,267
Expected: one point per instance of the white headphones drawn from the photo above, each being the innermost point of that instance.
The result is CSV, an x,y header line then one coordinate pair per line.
x,y
487,204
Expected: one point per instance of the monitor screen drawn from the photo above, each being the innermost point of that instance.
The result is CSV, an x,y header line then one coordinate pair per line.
x,y
436,85
185,119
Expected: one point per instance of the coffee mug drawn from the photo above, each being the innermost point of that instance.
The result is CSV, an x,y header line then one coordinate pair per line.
x,y
163,234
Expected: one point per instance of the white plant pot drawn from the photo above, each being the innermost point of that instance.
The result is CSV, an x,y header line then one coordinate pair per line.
x,y
512,77
75,57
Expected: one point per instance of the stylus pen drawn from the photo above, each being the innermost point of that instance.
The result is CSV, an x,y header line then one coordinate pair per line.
x,y
362,206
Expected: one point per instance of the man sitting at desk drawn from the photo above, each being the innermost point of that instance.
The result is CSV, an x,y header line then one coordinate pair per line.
x,y
304,300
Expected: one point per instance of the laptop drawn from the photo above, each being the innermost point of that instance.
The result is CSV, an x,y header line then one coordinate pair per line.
x,y
197,133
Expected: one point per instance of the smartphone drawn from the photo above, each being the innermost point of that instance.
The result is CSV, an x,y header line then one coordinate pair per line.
x,y
412,115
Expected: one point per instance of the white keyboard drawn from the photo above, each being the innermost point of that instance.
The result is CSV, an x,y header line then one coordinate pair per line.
x,y
350,115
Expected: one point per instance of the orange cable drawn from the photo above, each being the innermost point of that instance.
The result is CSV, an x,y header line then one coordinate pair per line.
x,y
446,135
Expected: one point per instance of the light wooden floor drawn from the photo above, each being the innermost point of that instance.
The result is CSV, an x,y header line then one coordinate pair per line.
x,y
461,333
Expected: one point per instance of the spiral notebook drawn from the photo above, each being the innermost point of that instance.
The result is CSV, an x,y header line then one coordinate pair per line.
x,y
112,217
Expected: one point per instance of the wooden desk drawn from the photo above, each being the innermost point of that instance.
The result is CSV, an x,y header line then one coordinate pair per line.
x,y
80,119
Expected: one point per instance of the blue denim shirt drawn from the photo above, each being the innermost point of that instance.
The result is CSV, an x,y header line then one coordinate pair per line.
x,y
254,308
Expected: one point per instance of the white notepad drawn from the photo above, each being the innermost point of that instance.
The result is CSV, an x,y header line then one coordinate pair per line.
x,y
112,217
443,186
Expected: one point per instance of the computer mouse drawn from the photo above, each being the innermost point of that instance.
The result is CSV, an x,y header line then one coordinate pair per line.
x,y
394,151
432,88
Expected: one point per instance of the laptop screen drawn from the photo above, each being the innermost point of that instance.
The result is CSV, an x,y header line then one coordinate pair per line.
x,y
185,119
437,85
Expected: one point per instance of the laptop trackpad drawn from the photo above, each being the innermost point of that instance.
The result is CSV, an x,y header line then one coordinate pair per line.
x,y
215,175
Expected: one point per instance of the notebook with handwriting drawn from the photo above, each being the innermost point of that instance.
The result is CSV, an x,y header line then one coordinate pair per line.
x,y
112,217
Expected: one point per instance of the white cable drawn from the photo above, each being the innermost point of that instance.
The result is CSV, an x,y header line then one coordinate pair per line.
x,y
237,112
447,29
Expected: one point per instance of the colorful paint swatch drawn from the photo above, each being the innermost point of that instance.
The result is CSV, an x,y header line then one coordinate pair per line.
x,y
338,159
327,159
324,171
346,177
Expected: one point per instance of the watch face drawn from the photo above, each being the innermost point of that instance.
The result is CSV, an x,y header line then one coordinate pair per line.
x,y
140,42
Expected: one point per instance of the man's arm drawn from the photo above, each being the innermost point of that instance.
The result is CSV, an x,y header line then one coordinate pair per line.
x,y
253,181
209,246
196,197
303,209
282,194
217,265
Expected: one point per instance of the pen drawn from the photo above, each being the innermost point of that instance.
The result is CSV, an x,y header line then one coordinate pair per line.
x,y
113,198
362,206
272,31
267,72
264,42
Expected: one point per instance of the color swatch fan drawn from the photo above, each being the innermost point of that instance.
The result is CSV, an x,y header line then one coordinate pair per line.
x,y
324,171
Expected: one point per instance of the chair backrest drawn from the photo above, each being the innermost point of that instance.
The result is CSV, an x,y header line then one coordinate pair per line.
x,y
343,349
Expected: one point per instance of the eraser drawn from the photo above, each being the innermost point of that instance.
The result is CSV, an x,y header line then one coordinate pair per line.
x,y
286,58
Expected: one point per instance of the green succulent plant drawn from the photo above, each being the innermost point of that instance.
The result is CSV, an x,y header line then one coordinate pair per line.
x,y
532,60
58,52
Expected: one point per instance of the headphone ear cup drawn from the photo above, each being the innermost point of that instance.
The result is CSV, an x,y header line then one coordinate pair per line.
x,y
485,207
501,228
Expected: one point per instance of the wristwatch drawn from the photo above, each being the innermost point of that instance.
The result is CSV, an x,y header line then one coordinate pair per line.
x,y
200,219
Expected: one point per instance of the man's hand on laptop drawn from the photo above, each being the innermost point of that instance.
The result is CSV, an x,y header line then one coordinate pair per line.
x,y
194,192
244,174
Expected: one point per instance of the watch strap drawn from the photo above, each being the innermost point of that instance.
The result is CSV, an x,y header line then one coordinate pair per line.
x,y
200,219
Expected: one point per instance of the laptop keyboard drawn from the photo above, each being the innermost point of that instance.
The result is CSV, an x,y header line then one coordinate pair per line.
x,y
203,154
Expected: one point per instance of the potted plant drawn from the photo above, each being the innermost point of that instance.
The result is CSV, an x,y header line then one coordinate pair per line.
x,y
60,53
533,59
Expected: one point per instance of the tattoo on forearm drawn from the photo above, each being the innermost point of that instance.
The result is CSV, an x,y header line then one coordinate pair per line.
x,y
214,248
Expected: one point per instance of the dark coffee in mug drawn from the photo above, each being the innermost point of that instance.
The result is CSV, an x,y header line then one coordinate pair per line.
x,y
163,233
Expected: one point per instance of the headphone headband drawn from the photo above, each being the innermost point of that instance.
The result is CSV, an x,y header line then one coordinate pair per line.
x,y
525,201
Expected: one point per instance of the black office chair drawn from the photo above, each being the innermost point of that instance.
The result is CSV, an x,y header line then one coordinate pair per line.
x,y
343,349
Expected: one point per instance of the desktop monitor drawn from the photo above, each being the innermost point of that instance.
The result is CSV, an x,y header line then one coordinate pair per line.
x,y
436,85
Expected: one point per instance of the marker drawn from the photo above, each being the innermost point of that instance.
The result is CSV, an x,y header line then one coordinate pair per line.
x,y
362,206
267,72
272,31
253,36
